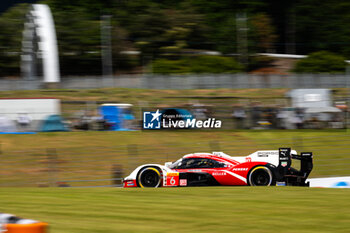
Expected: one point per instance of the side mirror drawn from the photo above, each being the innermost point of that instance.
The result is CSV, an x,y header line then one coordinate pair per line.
x,y
167,164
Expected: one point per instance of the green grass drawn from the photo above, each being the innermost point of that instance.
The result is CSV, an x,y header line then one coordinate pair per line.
x,y
209,209
130,95
91,155
133,95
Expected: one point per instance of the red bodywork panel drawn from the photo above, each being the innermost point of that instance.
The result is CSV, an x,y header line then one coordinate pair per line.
x,y
129,183
234,174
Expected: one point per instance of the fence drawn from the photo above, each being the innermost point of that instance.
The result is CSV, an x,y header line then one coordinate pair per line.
x,y
105,166
209,81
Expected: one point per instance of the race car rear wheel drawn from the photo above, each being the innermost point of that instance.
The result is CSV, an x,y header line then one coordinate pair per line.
x,y
260,176
149,177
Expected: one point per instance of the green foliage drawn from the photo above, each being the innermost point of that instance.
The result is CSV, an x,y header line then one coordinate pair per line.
x,y
323,25
263,32
225,35
11,26
199,64
321,62
159,27
220,16
165,66
257,62
78,42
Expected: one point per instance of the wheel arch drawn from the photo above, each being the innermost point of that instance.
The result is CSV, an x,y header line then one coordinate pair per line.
x,y
272,168
149,166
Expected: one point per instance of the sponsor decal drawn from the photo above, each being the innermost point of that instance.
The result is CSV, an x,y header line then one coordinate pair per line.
x,y
267,153
183,182
194,170
158,120
219,173
172,174
172,179
248,160
284,152
284,164
130,183
306,154
280,183
240,169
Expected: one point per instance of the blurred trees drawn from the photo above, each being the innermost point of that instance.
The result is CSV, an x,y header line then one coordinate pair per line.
x,y
197,64
323,25
321,62
11,26
264,37
78,42
162,29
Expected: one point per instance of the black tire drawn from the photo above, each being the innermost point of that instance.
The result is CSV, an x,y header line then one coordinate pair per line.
x,y
149,177
260,176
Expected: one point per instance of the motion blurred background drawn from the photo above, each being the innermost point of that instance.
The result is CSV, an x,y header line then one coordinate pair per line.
x,y
275,72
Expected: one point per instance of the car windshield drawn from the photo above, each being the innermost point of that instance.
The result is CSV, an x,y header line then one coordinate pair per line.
x,y
176,164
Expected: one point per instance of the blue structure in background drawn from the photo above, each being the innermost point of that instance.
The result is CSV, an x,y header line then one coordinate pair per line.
x,y
53,123
117,115
112,115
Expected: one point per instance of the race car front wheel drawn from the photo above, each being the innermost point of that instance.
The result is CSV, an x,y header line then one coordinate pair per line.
x,y
260,176
149,177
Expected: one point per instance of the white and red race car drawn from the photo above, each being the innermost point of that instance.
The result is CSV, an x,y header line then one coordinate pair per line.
x,y
261,168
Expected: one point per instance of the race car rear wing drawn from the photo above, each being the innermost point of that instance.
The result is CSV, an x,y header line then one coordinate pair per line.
x,y
290,175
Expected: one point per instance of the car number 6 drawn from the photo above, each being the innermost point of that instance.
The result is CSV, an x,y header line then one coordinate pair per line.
x,y
172,180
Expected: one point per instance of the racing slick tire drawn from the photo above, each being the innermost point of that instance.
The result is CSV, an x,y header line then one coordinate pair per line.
x,y
149,177
260,176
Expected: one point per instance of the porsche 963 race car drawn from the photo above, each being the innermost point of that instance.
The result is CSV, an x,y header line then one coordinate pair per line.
x,y
261,168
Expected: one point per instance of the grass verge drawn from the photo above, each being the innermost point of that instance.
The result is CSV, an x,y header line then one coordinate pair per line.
x,y
91,155
207,209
